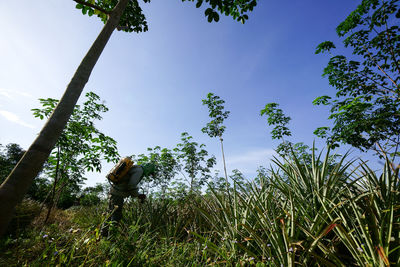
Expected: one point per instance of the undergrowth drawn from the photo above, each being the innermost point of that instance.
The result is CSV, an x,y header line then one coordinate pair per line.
x,y
301,214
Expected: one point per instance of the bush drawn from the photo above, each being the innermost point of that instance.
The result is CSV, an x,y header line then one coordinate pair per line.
x,y
90,200
25,212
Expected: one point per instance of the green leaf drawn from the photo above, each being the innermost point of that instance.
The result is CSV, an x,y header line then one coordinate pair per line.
x,y
322,100
325,46
208,11
198,4
84,10
216,17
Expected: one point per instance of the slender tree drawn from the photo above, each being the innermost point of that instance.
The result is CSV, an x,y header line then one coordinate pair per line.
x,y
125,15
196,162
287,149
215,127
281,131
166,166
80,147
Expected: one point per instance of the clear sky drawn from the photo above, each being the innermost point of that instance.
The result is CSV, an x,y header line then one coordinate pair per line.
x,y
153,82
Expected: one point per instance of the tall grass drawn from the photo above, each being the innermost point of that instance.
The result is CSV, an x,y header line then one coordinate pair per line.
x,y
323,213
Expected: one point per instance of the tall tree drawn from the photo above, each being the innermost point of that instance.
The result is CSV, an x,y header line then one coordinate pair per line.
x,y
127,16
215,127
366,107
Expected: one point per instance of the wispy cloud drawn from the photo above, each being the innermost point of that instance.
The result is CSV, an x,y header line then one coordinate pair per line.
x,y
12,94
260,155
249,161
15,118
6,94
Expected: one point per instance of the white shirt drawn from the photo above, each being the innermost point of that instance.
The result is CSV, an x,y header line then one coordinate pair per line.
x,y
129,183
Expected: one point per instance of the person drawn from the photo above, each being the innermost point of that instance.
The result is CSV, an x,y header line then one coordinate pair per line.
x,y
128,187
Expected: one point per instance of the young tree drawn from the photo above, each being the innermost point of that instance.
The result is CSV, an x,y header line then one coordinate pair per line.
x,y
125,15
217,183
195,161
166,165
262,177
240,182
279,120
287,149
366,108
215,127
80,147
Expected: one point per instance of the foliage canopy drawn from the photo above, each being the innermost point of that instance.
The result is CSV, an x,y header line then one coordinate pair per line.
x,y
80,147
133,19
216,112
366,106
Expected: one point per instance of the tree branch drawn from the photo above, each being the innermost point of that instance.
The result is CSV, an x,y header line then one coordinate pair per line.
x,y
392,164
389,44
82,2
379,67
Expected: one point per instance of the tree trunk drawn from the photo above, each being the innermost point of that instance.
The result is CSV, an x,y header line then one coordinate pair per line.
x,y
49,207
20,179
223,159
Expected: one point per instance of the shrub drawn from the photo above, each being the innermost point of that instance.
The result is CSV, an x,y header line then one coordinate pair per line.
x,y
25,212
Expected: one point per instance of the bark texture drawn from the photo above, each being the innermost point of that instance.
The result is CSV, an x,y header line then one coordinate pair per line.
x,y
20,179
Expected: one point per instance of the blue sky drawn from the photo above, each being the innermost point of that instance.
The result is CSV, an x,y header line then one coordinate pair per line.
x,y
153,82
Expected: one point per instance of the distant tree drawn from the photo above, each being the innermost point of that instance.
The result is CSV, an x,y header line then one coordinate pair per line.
x,y
166,165
262,176
125,15
288,150
80,147
178,189
217,183
240,182
40,189
195,161
276,118
93,195
9,157
215,127
366,107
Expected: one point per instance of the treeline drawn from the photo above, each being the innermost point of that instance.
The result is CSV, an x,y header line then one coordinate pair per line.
x,y
41,188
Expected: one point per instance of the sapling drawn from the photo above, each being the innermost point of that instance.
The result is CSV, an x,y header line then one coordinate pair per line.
x,y
79,148
196,161
287,149
279,120
215,127
166,163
